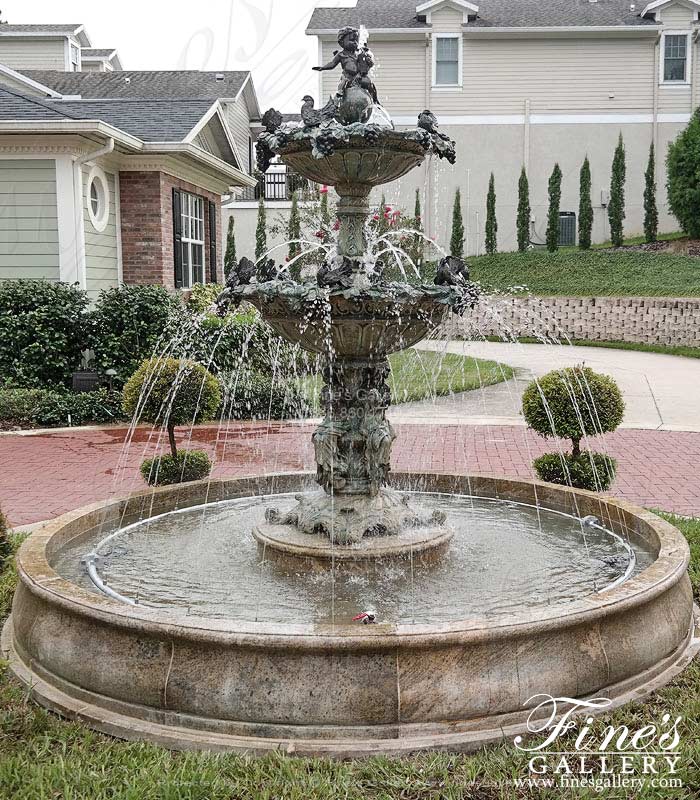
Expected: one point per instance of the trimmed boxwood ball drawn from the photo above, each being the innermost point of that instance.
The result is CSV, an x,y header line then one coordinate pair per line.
x,y
592,471
188,465
573,403
171,392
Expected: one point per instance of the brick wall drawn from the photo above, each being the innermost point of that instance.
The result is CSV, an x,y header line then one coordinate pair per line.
x,y
646,320
147,227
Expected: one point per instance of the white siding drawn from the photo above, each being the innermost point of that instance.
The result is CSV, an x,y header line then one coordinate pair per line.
x,y
238,119
22,54
101,259
677,16
28,220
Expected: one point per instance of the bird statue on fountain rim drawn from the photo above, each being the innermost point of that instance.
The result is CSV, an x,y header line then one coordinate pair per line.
x,y
452,271
428,121
313,117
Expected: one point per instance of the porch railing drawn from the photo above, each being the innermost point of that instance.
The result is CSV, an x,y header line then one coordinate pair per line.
x,y
279,185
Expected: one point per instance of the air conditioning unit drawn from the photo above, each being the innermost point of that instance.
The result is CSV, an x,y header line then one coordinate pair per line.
x,y
567,229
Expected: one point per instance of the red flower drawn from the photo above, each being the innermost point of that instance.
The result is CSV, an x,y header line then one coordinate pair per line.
x,y
336,227
320,234
387,208
324,190
376,217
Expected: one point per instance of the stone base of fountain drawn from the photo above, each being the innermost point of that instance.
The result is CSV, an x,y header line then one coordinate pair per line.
x,y
341,690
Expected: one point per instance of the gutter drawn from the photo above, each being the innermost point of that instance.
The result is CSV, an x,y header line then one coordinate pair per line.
x,y
103,151
565,30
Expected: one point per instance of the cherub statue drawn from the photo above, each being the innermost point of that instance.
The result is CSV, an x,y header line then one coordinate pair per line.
x,y
355,61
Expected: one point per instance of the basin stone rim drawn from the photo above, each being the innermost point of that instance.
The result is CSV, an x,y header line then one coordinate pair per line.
x,y
36,573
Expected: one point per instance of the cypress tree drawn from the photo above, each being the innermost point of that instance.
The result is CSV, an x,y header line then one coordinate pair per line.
x,y
230,254
418,243
294,228
651,212
524,212
457,238
261,231
554,206
491,221
325,212
616,208
585,208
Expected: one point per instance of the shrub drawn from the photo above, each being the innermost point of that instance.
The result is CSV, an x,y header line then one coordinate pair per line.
x,y
203,296
572,403
128,322
457,238
43,331
592,471
294,228
5,546
171,392
554,206
651,212
491,220
524,212
585,207
257,397
44,408
616,206
683,167
190,465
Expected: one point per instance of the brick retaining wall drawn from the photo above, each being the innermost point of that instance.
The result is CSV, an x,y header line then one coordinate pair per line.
x,y
646,320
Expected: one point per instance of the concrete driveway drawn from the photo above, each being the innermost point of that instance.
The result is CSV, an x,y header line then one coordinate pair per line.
x,y
661,392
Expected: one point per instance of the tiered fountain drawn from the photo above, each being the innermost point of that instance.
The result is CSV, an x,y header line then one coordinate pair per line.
x,y
189,631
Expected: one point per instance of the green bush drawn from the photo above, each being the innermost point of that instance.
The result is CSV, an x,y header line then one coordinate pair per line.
x,y
171,392
128,322
203,296
43,331
683,167
592,471
189,465
571,404
5,546
581,403
44,408
255,396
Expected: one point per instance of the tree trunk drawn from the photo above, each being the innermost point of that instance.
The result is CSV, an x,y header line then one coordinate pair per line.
x,y
576,450
171,439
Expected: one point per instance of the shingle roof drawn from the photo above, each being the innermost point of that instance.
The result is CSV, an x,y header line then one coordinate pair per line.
x,y
94,52
7,28
142,84
14,106
148,120
492,14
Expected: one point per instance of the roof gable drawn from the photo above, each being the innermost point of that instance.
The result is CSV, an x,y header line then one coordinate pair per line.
x,y
429,6
658,5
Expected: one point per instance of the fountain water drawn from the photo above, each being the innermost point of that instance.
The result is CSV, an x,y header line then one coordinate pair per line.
x,y
483,591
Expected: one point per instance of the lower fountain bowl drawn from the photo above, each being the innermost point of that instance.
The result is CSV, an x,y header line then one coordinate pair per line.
x,y
340,690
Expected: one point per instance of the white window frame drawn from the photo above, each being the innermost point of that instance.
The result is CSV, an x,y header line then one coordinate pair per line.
x,y
688,61
75,66
98,179
189,240
449,87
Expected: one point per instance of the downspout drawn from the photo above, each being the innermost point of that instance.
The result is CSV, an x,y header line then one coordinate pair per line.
x,y
693,71
103,151
655,109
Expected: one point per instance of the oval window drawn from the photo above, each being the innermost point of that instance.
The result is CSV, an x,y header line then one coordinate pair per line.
x,y
98,198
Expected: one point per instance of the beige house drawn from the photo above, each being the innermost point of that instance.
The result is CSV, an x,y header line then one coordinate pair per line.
x,y
109,176
518,82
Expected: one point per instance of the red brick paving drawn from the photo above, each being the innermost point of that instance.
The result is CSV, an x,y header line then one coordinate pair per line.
x,y
48,474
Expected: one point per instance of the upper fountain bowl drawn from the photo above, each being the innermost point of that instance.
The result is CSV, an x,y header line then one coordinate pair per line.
x,y
358,162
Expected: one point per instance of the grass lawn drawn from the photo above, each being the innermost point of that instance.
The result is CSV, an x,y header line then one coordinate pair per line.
x,y
42,758
593,273
423,375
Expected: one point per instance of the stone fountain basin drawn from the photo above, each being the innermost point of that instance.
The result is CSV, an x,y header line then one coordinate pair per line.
x,y
342,691
357,162
361,326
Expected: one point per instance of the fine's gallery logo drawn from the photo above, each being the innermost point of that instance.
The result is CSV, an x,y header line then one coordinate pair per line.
x,y
567,749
